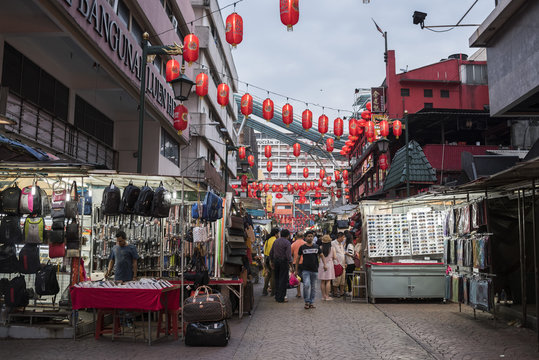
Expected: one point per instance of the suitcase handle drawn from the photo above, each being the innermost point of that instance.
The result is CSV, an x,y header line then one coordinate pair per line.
x,y
203,287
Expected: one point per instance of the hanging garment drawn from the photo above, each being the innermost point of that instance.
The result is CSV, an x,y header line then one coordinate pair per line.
x,y
465,219
460,252
472,299
475,249
448,287
466,290
483,298
468,253
455,289
461,289
475,214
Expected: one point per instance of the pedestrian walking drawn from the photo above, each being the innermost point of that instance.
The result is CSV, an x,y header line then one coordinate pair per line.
x,y
309,268
326,272
340,263
298,242
269,278
349,258
281,259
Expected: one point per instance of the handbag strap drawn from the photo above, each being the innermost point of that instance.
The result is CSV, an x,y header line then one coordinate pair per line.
x,y
57,184
203,287
74,185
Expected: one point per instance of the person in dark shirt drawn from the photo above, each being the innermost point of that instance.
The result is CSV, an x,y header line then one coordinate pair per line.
x,y
309,269
281,260
123,258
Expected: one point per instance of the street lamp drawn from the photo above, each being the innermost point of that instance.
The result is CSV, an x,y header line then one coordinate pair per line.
x,y
383,145
181,85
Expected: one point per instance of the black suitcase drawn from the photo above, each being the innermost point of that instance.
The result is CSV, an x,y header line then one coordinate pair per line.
x,y
207,333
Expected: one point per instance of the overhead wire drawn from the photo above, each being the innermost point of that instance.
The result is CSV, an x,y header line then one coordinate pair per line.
x,y
457,24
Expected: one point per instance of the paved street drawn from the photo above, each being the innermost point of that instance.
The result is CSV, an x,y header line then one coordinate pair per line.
x,y
334,330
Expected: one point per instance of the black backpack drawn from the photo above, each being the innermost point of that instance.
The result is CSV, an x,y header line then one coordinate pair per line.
x,y
29,259
129,198
10,230
16,294
160,202
143,206
110,203
46,282
10,200
8,259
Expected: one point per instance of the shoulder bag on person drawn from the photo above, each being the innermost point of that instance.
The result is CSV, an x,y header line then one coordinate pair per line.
x,y
338,270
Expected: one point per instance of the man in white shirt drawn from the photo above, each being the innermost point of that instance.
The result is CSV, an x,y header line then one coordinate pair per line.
x,y
340,280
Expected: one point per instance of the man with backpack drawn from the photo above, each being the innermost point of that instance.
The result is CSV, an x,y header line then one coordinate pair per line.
x,y
123,258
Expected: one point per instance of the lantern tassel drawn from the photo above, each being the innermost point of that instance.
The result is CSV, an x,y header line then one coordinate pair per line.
x,y
180,132
289,28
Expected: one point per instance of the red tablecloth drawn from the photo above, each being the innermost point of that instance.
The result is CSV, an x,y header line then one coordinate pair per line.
x,y
134,299
402,264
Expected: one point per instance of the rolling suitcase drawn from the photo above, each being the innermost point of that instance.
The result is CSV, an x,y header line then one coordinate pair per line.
x,y
207,333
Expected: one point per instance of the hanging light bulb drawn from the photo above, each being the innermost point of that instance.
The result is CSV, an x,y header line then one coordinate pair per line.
x,y
34,188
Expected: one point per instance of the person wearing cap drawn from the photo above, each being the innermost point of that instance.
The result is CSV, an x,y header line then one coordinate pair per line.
x,y
123,259
326,271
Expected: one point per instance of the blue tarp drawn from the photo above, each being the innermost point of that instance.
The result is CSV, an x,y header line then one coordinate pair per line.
x,y
13,150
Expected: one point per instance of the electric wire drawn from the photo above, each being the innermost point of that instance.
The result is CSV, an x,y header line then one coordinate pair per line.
x,y
457,24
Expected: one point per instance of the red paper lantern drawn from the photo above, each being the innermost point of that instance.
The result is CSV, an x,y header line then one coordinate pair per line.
x,y
274,188
369,129
368,106
296,149
289,187
222,94
279,196
312,185
305,172
352,127
266,188
384,128
322,173
288,170
260,187
338,193
280,188
246,104
349,143
307,119
267,151
337,174
267,109
288,114
338,127
234,186
353,138
342,152
269,166
397,128
251,160
190,48
289,13
201,87
345,174
361,123
317,194
180,118
329,144
241,152
172,70
296,186
234,29
244,181
321,182
366,115
328,180
304,187
382,161
323,124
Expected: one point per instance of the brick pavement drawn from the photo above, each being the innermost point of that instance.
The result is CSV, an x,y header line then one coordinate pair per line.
x,y
334,330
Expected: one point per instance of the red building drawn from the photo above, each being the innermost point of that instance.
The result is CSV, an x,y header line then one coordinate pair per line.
x,y
447,105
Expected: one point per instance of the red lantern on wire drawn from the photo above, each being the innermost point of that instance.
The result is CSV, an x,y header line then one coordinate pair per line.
x,y
244,181
241,152
384,128
260,187
317,194
274,188
296,149
288,170
368,106
307,119
328,180
305,172
190,48
318,201
180,118
304,187
369,129
246,104
290,187
337,175
234,29
289,13
320,182
397,128
201,87
269,166
172,70
296,186
342,152
279,196
345,174
322,173
251,160
338,193
312,185
323,124
366,115
288,114
267,109
353,138
352,127
267,188
267,151
222,94
338,127
382,162
280,188
330,144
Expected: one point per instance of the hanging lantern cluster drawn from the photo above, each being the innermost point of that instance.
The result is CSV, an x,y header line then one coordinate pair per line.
x,y
251,160
190,48
269,166
289,13
338,127
305,172
234,29
180,118
288,170
330,144
246,104
382,162
323,124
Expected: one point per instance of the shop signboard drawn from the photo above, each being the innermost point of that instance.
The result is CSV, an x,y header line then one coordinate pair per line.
x,y
269,203
377,100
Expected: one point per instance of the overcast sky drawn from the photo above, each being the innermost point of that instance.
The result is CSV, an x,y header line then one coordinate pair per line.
x,y
336,48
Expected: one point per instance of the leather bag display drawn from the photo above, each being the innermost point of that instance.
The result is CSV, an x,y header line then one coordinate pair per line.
x,y
129,198
207,334
30,201
34,230
16,294
110,203
71,208
59,195
10,200
57,250
160,207
204,307
10,230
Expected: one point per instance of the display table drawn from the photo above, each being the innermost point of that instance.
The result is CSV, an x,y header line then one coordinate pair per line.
x,y
406,280
149,300
229,284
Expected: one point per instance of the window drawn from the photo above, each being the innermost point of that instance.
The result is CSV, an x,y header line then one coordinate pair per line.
x,y
427,92
23,77
444,93
405,92
428,106
136,30
123,13
474,74
93,122
170,148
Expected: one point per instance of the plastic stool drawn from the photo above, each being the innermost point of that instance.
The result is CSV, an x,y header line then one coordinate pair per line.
x,y
100,328
172,321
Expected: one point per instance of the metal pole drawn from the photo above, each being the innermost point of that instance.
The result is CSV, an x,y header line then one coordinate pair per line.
x,y
407,158
522,258
142,100
226,166
181,249
385,53
535,256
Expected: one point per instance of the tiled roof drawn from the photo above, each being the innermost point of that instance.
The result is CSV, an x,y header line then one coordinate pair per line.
x,y
421,170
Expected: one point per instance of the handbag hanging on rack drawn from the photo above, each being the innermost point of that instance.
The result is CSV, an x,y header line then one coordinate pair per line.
x,y
71,207
59,195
